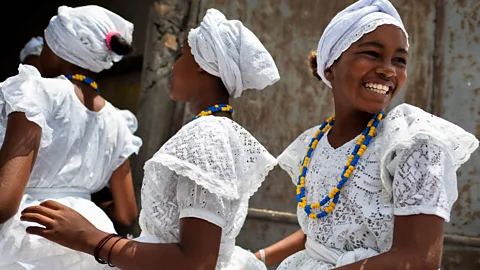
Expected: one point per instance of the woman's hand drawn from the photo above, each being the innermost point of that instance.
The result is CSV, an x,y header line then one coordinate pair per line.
x,y
63,226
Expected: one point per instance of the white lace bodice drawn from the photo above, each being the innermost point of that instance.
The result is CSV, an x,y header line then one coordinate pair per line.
x,y
208,170
363,217
79,148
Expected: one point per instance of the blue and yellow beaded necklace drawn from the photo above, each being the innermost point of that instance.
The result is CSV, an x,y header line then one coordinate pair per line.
x,y
360,147
214,109
84,79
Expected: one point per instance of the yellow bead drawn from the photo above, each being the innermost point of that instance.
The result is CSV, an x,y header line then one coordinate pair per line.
x,y
314,144
360,153
363,147
336,190
216,106
313,216
331,195
317,133
332,204
328,209
346,174
94,85
370,123
351,168
315,205
306,161
379,117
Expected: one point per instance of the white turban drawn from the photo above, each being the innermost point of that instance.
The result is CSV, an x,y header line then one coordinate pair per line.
x,y
33,47
230,51
349,26
78,36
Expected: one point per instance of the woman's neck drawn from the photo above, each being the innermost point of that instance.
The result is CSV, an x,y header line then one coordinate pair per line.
x,y
348,124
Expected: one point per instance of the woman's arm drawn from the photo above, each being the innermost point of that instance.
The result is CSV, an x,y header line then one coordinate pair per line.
x,y
417,245
17,157
198,245
279,251
123,207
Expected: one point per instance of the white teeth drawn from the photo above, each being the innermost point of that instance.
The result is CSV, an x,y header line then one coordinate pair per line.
x,y
377,88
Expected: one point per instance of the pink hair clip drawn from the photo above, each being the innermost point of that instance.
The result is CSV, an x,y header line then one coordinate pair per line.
x,y
108,38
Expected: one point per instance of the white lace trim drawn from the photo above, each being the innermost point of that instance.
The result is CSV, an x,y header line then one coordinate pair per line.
x,y
219,155
406,125
359,33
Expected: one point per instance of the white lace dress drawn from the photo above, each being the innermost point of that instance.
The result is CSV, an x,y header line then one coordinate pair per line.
x,y
79,151
208,170
409,168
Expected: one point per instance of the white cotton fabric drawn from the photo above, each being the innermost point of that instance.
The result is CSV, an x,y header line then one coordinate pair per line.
x,y
33,47
351,24
229,50
79,151
208,170
423,176
77,35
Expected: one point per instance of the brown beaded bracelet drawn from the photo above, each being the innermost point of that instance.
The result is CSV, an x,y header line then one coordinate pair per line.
x,y
111,248
100,245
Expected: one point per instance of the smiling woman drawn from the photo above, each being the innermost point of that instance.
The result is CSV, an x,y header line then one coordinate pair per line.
x,y
371,194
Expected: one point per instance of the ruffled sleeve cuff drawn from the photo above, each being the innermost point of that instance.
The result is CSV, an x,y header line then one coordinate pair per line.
x,y
132,143
26,93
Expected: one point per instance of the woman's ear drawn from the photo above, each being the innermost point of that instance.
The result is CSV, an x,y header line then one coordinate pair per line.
x,y
329,74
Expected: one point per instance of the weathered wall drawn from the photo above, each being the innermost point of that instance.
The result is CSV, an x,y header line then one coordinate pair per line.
x,y
457,98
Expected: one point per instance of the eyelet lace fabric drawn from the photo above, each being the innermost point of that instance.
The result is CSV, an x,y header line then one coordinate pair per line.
x,y
79,149
208,170
419,173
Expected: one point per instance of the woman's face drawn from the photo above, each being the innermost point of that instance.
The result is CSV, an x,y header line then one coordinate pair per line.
x,y
370,73
184,77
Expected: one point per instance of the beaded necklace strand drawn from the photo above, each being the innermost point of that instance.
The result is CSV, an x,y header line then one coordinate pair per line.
x,y
84,79
214,109
334,195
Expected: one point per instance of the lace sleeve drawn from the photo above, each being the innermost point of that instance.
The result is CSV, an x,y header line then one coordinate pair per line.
x,y
421,179
290,159
197,202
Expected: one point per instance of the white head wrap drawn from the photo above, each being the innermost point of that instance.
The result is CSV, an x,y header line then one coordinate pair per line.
x,y
227,49
78,36
33,47
349,26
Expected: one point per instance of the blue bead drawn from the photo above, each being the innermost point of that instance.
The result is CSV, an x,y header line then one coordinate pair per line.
x,y
367,140
310,152
307,209
304,171
302,190
299,199
339,186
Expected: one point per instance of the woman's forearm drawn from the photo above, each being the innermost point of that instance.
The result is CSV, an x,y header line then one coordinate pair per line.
x,y
279,251
132,255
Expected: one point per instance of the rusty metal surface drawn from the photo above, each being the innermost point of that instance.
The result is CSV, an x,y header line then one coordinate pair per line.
x,y
458,100
460,103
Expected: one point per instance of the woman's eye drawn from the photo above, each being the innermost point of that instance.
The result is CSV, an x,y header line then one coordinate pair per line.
x,y
400,60
371,53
